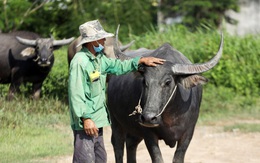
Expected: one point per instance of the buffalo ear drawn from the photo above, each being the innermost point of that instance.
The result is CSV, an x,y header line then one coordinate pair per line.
x,y
193,80
28,52
141,68
138,74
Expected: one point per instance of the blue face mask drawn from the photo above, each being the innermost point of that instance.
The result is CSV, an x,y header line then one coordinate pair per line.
x,y
99,48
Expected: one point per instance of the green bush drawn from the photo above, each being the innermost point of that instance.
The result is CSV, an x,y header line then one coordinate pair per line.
x,y
238,68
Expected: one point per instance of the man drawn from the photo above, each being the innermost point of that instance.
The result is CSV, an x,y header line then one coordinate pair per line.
x,y
87,86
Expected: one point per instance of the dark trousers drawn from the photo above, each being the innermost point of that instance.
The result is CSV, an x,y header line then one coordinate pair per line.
x,y
88,149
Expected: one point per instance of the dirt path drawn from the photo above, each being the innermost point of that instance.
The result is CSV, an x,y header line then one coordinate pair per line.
x,y
209,145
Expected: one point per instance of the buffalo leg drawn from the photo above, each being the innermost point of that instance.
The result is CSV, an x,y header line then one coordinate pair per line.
x,y
36,90
151,143
16,81
131,147
118,140
14,88
182,146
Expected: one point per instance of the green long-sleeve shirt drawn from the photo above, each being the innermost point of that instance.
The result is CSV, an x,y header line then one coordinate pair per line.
x,y
88,99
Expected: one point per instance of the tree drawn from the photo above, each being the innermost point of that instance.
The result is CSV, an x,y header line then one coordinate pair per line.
x,y
13,21
61,18
208,13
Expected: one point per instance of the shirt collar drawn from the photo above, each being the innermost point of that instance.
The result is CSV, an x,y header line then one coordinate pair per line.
x,y
90,55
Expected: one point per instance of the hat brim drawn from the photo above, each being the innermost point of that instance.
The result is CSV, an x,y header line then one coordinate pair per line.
x,y
94,38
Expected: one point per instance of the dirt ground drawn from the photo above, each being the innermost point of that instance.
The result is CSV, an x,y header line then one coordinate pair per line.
x,y
210,144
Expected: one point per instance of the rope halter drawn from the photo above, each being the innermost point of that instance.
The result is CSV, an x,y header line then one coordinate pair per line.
x,y
139,110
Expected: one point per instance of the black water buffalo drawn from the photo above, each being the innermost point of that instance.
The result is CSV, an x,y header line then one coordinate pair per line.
x,y
169,96
108,50
26,57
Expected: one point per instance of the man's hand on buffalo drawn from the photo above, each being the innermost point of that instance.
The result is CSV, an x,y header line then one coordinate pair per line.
x,y
151,61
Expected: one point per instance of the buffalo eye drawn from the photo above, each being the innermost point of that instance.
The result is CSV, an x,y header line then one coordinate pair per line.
x,y
167,83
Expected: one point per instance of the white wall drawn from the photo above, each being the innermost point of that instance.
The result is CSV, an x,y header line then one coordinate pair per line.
x,y
248,18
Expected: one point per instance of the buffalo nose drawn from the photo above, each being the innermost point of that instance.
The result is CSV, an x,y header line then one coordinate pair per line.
x,y
44,59
149,118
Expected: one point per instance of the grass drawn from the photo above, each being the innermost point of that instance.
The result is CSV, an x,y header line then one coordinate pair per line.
x,y
31,130
243,127
223,104
34,129
26,144
223,107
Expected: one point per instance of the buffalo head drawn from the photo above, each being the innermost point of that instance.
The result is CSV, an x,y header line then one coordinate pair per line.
x,y
167,88
42,49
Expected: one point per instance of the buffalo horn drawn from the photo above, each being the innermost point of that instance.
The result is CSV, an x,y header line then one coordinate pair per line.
x,y
62,42
199,67
118,53
26,41
124,47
